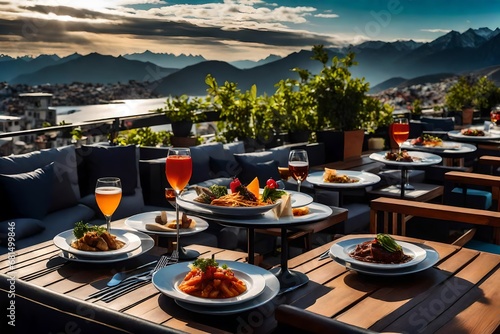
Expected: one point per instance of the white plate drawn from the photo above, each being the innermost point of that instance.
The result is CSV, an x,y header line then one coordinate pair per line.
x,y
167,280
299,199
424,159
365,179
190,195
317,212
446,145
430,260
342,249
64,239
146,244
457,134
138,222
271,289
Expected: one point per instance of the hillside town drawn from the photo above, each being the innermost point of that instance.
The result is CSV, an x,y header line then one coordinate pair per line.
x,y
75,94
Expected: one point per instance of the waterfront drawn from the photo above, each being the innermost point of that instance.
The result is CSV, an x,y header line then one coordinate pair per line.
x,y
121,108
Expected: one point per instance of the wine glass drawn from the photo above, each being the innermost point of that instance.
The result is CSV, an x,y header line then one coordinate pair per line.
x,y
495,117
298,165
400,131
178,169
108,194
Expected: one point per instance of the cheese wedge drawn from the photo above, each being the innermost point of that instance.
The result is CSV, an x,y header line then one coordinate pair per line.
x,y
284,209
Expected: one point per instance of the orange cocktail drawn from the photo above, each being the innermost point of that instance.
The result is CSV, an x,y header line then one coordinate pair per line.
x,y
108,199
178,169
400,132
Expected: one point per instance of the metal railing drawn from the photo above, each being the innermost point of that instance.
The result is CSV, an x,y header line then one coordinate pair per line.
x,y
107,125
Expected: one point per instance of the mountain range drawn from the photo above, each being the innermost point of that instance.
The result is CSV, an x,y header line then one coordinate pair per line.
x,y
451,54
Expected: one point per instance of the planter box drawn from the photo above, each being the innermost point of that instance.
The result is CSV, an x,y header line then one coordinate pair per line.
x,y
341,145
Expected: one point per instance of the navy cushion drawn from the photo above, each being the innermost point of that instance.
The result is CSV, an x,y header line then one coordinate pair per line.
x,y
29,194
475,198
281,154
103,161
262,170
66,191
257,164
223,168
236,147
201,160
19,228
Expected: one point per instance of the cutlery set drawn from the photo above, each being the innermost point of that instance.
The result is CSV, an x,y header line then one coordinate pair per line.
x,y
120,284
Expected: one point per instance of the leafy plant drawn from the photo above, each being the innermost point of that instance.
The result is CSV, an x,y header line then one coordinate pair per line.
x,y
296,105
461,95
185,108
236,109
144,137
341,99
470,92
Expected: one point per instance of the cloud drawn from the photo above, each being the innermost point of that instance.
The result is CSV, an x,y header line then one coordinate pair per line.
x,y
326,16
84,28
434,31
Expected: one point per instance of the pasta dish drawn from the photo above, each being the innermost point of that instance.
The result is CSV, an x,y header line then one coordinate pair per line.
x,y
207,280
237,200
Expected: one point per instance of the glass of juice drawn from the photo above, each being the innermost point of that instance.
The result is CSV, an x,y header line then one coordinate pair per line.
x,y
108,194
178,169
298,166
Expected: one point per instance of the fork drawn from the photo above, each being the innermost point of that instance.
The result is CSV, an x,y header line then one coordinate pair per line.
x,y
131,280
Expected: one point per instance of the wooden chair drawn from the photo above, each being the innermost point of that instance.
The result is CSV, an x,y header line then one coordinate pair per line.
x,y
292,320
393,214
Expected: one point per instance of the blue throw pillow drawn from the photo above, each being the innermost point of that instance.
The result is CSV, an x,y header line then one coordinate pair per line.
x,y
262,170
19,228
223,168
66,191
104,161
29,194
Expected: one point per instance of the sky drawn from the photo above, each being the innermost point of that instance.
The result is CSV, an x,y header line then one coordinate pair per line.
x,y
227,30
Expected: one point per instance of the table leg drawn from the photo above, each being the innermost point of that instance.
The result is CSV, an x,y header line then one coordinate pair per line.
x,y
187,254
289,279
251,245
403,181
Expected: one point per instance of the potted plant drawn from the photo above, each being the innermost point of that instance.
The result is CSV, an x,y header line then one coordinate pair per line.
x,y
237,112
460,97
344,109
183,111
296,109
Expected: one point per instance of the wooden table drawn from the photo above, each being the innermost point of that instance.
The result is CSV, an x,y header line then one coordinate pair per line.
x,y
459,295
422,192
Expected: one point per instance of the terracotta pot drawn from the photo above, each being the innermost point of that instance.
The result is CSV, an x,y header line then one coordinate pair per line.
x,y
183,141
467,115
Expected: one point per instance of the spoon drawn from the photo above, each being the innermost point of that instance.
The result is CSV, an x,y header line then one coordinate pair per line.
x,y
118,277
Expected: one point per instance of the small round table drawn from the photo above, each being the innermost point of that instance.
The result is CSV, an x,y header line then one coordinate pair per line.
x,y
421,159
450,151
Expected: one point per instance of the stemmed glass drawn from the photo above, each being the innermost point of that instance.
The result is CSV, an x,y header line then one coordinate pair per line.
x,y
108,194
178,169
400,131
495,117
298,165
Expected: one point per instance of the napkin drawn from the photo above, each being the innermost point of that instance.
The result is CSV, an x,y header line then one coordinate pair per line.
x,y
284,208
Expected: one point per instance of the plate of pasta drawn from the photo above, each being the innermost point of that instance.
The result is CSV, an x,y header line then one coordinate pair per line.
x,y
233,205
241,281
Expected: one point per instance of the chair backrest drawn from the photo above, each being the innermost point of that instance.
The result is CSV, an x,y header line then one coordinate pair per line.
x,y
292,319
440,123
390,215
